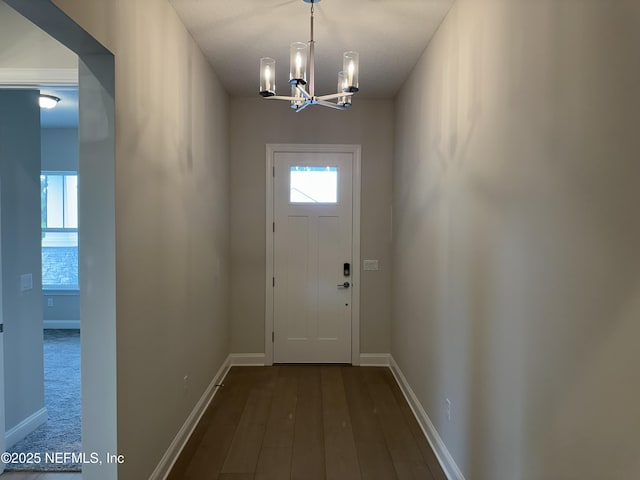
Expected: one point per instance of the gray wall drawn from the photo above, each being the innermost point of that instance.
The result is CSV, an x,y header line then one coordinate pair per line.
x,y
20,203
59,147
171,196
256,122
66,307
516,233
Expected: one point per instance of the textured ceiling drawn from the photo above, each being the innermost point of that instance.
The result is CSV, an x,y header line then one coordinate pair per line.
x,y
390,36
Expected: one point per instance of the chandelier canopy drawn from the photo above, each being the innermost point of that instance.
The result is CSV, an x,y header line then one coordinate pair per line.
x,y
302,86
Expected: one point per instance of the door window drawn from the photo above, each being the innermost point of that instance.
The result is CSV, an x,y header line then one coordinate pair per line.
x,y
313,184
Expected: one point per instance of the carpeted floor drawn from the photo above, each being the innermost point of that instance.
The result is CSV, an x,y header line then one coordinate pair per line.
x,y
61,433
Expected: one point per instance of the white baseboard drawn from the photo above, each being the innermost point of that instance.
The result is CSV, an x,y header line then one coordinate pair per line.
x,y
62,324
437,445
374,359
25,427
247,359
258,359
170,457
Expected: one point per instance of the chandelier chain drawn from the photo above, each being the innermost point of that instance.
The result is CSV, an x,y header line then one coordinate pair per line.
x,y
311,20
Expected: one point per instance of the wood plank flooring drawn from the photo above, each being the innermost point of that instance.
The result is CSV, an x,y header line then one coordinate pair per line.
x,y
308,423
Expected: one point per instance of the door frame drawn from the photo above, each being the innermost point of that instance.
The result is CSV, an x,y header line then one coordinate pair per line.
x,y
272,149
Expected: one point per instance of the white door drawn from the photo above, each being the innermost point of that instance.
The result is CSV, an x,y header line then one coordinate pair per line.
x,y
313,245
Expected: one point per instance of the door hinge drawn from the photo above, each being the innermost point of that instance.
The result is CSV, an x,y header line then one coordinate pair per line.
x,y
273,171
274,227
273,337
273,281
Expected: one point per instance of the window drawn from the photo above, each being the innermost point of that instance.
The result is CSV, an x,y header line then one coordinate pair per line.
x,y
312,184
59,209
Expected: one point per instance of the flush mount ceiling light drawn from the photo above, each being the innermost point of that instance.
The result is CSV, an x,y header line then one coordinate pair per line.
x,y
48,101
303,57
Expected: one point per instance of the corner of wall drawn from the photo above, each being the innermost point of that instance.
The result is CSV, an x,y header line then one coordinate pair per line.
x,y
438,446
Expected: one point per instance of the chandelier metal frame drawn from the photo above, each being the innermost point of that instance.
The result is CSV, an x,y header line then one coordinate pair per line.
x,y
302,98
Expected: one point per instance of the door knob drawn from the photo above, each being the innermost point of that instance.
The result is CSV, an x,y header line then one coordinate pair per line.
x,y
344,285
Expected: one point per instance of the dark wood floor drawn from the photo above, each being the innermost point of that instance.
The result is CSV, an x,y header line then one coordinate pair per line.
x,y
308,423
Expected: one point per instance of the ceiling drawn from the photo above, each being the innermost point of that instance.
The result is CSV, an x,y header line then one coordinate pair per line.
x,y
25,46
31,59
390,36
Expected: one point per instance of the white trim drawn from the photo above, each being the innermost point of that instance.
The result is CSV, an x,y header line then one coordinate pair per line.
x,y
375,359
356,150
170,457
25,427
60,292
355,266
62,324
247,359
445,459
39,77
268,312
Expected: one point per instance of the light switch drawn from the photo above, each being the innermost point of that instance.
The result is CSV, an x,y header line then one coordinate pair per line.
x,y
26,282
371,265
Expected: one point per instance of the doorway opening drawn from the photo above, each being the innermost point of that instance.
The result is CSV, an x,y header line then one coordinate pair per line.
x,y
44,408
95,223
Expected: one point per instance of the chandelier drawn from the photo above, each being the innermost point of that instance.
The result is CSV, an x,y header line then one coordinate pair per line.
x,y
303,86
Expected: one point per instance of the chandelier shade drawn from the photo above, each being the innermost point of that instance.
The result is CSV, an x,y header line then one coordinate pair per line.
x,y
298,97
350,67
345,100
302,76
267,77
298,64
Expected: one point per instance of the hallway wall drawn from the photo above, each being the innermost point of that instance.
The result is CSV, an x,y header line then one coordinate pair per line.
x,y
22,310
59,149
256,122
516,272
172,185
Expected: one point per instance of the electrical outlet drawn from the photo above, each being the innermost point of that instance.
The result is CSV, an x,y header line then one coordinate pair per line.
x,y
448,408
26,282
49,302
